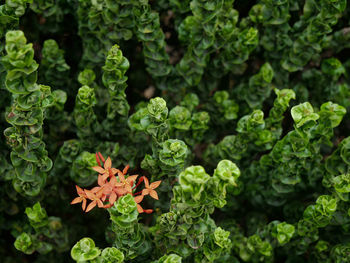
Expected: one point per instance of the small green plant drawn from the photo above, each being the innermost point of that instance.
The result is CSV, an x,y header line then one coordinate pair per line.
x,y
226,121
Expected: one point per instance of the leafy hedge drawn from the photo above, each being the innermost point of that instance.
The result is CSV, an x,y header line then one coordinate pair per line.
x,y
230,118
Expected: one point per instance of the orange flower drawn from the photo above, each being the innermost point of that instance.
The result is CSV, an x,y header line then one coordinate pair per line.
x,y
107,171
104,171
126,183
81,198
109,190
95,197
150,188
111,187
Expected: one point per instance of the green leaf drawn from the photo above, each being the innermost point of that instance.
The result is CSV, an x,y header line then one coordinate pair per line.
x,y
157,109
173,152
25,243
85,250
37,216
86,77
112,255
193,180
303,113
227,171
284,232
221,238
180,118
125,204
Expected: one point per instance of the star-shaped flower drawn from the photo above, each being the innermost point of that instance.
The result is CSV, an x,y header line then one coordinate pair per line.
x,y
81,198
112,184
150,188
107,169
95,196
127,183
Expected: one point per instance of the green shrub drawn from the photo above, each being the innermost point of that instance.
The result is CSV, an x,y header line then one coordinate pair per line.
x,y
229,118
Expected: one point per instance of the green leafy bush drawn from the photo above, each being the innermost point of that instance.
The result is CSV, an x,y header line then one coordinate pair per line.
x,y
229,118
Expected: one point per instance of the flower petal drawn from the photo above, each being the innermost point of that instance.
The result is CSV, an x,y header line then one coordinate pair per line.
x,y
120,191
108,206
121,177
132,178
139,208
108,163
83,205
153,194
95,189
98,169
128,188
138,199
79,190
155,184
105,176
146,182
112,197
113,180
148,211
115,171
100,180
99,203
90,206
76,200
100,192
90,194
145,192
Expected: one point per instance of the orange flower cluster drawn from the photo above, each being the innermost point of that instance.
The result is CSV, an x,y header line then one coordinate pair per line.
x,y
111,187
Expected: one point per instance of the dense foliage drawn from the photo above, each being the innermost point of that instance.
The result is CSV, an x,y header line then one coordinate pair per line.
x,y
236,111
